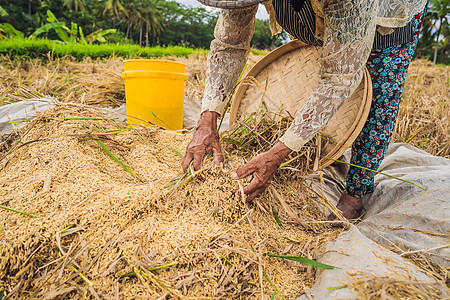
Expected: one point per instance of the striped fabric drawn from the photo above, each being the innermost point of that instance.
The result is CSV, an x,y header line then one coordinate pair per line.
x,y
400,36
300,24
297,17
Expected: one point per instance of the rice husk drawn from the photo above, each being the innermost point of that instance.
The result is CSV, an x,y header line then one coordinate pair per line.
x,y
369,286
100,222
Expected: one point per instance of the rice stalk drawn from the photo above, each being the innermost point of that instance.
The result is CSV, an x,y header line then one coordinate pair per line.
x,y
89,282
369,286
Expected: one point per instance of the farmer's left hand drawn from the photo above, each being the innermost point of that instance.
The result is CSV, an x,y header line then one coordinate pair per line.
x,y
263,167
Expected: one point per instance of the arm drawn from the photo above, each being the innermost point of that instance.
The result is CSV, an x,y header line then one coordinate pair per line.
x,y
228,55
233,33
350,28
349,32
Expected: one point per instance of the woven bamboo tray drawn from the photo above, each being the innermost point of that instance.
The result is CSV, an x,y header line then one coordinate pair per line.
x,y
283,81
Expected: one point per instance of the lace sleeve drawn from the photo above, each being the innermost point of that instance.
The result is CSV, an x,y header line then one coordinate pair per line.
x,y
228,55
349,32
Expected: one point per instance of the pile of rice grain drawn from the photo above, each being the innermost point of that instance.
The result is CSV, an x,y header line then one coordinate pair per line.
x,y
107,233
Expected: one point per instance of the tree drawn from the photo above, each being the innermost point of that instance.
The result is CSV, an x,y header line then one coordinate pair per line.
x,y
263,39
187,26
442,10
131,15
147,16
153,19
3,12
75,5
115,6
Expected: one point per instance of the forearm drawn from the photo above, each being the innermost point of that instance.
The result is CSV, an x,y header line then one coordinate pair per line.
x,y
228,55
348,40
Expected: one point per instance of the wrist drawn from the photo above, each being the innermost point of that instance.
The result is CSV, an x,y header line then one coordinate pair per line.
x,y
280,150
209,119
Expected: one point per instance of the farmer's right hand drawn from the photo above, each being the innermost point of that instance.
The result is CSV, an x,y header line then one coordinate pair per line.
x,y
205,141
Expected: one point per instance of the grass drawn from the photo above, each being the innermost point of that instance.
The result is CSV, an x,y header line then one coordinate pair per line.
x,y
40,48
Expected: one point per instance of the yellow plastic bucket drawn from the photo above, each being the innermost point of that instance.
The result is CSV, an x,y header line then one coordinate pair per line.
x,y
154,91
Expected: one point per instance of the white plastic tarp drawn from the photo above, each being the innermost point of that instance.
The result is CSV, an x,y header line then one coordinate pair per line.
x,y
399,214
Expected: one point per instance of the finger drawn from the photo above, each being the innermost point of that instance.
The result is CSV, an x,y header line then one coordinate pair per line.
x,y
255,194
253,185
218,156
244,171
258,191
198,159
187,158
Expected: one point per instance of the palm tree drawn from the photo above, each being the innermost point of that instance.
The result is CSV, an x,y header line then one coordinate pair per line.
x,y
75,5
146,16
3,12
115,6
149,16
132,15
442,9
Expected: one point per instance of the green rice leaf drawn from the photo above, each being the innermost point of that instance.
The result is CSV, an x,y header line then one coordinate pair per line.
x,y
274,287
225,259
337,287
151,269
231,141
19,121
364,168
67,228
100,143
176,152
20,212
273,295
302,260
277,218
135,131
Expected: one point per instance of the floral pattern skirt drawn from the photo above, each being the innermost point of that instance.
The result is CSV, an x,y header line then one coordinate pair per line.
x,y
387,68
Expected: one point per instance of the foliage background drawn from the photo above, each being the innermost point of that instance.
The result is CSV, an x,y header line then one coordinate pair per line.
x,y
169,23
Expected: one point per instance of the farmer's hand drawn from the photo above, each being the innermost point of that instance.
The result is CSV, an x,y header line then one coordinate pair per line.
x,y
205,141
262,167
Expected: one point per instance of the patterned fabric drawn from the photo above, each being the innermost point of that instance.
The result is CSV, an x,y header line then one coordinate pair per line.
x,y
347,29
387,68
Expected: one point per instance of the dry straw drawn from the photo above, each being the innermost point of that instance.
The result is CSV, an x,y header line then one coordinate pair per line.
x,y
134,239
369,286
424,116
105,233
